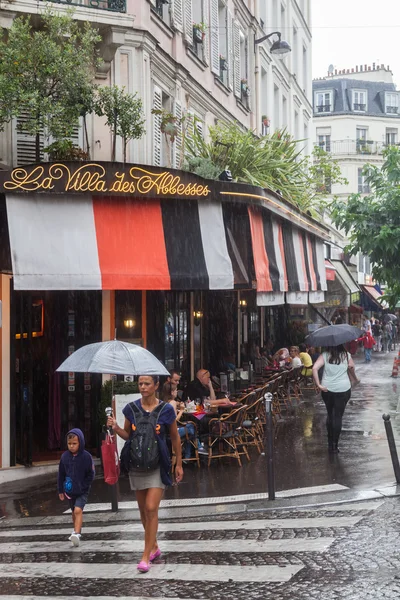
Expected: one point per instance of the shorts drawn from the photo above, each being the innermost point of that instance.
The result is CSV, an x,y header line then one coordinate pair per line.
x,y
79,501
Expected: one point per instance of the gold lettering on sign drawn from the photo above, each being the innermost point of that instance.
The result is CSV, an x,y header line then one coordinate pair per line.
x,y
92,177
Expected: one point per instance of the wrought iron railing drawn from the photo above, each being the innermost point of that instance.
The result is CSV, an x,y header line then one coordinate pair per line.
x,y
366,147
324,108
110,5
392,110
361,107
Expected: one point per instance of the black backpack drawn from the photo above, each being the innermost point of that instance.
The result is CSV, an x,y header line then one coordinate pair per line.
x,y
141,452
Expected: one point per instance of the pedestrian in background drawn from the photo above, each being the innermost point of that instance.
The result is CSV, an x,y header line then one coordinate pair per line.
x,y
368,342
377,333
335,389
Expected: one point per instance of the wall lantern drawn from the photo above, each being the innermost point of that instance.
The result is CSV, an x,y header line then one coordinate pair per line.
x,y
129,323
197,316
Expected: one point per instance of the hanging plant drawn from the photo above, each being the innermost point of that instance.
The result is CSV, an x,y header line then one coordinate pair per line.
x,y
199,32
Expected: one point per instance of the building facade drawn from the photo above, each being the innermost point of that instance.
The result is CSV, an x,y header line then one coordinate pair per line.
x,y
356,116
190,57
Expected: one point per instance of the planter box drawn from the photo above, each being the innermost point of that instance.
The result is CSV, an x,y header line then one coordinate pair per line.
x,y
198,35
245,90
223,64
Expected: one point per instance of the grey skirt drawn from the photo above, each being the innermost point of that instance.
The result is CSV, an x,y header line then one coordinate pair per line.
x,y
145,481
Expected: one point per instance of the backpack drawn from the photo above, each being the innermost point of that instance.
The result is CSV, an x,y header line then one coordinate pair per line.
x,y
141,452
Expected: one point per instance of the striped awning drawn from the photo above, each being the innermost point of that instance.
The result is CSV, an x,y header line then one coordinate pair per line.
x,y
76,242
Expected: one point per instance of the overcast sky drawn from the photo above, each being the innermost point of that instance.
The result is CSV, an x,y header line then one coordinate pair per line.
x,y
347,33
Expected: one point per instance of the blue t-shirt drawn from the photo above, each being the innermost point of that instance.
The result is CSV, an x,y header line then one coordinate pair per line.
x,y
165,419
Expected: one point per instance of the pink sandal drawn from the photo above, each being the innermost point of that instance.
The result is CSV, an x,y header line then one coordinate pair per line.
x,y
143,567
154,555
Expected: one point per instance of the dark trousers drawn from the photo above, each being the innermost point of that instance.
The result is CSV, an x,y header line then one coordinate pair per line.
x,y
335,403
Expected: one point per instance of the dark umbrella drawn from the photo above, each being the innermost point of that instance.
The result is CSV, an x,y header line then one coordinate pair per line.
x,y
333,335
389,317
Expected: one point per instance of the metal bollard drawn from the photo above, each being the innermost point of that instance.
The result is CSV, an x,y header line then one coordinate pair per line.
x,y
114,497
392,447
270,446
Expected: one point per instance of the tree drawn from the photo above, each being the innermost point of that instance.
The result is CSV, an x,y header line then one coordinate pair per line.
x,y
46,74
372,222
273,161
124,114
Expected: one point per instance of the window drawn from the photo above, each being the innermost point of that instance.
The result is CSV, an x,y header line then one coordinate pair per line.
x,y
361,134
162,9
284,112
305,69
363,186
328,251
391,136
277,123
324,142
162,150
392,103
223,42
323,102
360,100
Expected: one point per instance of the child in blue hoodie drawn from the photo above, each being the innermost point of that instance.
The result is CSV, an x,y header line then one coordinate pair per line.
x,y
75,475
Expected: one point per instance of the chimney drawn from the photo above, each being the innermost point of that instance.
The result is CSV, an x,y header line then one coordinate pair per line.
x,y
352,70
382,66
365,68
357,69
373,66
361,68
348,70
369,68
335,71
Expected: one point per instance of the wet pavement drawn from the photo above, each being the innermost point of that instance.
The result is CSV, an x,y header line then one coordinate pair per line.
x,y
301,455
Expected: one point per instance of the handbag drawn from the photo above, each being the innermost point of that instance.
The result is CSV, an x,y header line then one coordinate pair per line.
x,y
109,454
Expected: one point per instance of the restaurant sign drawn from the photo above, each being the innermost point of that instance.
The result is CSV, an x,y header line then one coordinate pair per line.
x,y
103,179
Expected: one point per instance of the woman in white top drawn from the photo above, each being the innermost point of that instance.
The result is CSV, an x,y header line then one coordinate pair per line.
x,y
335,389
294,355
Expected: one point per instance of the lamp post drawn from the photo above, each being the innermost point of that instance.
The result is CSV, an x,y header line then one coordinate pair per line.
x,y
279,49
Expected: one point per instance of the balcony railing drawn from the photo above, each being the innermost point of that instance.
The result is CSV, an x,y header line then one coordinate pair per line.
x,y
354,147
324,108
110,5
392,110
361,107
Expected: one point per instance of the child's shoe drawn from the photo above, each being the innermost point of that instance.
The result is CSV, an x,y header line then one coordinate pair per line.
x,y
75,539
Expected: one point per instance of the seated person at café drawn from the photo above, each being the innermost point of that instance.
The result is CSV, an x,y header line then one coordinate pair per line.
x,y
306,361
172,398
201,388
294,355
281,357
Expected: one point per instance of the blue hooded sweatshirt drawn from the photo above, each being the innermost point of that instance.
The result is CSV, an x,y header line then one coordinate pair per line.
x,y
75,473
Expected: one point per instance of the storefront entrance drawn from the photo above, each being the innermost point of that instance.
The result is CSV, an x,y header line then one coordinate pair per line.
x,y
46,327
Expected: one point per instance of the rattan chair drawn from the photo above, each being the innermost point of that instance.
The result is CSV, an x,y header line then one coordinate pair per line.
x,y
225,437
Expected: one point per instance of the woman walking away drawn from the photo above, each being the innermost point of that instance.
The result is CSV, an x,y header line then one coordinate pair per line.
x,y
146,455
335,389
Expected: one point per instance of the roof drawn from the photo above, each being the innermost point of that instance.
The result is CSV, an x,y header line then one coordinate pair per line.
x,y
342,96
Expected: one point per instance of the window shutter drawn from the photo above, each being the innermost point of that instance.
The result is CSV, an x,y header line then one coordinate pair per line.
x,y
189,125
230,56
206,41
236,59
214,35
176,8
26,142
188,20
157,105
177,146
153,2
199,127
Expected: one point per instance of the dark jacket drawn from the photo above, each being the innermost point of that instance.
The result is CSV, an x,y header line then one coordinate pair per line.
x,y
75,473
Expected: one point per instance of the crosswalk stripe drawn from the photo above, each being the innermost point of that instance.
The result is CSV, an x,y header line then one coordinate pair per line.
x,y
209,573
257,524
178,502
319,544
8,597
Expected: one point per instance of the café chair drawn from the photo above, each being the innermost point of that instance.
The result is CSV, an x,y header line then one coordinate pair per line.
x,y
225,436
193,441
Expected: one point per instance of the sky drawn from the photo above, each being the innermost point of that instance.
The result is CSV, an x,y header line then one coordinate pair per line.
x,y
347,33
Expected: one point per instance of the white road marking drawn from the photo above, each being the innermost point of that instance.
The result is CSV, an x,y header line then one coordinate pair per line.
x,y
318,489
213,573
258,524
320,544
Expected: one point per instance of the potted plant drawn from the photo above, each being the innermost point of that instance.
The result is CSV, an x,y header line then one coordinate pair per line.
x,y
265,121
199,32
223,63
245,88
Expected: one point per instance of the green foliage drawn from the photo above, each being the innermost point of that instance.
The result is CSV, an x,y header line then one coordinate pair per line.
x,y
65,150
274,161
372,222
120,387
47,73
202,167
171,127
124,114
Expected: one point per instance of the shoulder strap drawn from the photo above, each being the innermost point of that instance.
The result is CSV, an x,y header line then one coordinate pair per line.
x,y
135,409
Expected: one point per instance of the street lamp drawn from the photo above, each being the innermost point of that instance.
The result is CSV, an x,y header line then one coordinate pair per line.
x,y
279,48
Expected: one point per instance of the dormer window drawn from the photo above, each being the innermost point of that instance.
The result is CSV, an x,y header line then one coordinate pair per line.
x,y
392,103
360,100
323,102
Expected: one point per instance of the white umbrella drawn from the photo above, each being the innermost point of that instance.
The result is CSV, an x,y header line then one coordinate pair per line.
x,y
113,358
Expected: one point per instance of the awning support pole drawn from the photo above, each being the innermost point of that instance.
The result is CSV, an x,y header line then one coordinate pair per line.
x,y
318,313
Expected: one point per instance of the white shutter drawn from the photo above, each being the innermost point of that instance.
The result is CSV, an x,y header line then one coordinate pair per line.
x,y
206,41
214,37
153,2
157,105
176,8
189,125
236,59
199,127
188,21
230,57
177,146
26,142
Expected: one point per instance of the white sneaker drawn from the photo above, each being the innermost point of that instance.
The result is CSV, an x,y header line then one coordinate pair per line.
x,y
75,539
72,532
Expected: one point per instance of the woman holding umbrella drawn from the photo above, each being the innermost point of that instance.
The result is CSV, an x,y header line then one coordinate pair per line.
x,y
149,486
336,385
